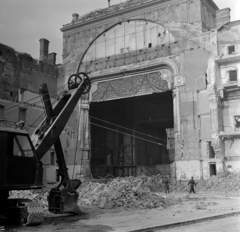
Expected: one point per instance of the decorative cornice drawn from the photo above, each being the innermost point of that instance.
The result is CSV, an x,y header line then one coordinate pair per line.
x,y
137,67
115,12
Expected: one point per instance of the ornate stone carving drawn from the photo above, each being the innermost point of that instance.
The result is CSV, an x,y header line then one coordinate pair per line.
x,y
158,81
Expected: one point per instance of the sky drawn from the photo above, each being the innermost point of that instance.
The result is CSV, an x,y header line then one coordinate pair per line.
x,y
24,22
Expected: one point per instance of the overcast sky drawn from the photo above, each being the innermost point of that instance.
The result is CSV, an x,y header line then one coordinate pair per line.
x,y
24,22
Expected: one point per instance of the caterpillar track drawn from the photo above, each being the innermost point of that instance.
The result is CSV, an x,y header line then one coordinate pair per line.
x,y
34,214
22,211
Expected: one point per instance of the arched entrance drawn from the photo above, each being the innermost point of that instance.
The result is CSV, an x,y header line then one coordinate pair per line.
x,y
132,109
132,123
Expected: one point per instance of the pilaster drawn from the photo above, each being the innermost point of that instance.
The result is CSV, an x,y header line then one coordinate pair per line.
x,y
83,137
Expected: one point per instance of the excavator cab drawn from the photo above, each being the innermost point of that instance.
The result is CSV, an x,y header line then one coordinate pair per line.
x,y
19,165
20,169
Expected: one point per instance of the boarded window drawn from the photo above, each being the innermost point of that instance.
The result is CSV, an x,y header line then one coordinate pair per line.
x,y
232,94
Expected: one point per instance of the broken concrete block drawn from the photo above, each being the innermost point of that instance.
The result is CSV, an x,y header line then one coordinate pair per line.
x,y
105,203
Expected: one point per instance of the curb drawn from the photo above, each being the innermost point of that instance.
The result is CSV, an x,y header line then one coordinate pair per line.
x,y
184,223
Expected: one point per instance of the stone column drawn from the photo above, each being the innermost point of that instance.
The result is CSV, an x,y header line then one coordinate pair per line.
x,y
178,82
84,138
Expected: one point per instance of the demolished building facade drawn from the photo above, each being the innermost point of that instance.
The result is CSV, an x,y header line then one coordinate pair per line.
x,y
165,90
20,78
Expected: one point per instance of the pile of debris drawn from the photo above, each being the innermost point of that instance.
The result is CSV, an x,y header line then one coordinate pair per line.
x,y
36,196
222,183
128,192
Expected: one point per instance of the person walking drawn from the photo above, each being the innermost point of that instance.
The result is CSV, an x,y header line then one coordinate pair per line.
x,y
192,183
166,183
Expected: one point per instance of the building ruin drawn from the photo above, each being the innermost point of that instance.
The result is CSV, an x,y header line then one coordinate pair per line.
x,y
20,78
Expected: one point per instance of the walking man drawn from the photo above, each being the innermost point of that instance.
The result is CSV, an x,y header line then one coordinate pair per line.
x,y
166,183
192,183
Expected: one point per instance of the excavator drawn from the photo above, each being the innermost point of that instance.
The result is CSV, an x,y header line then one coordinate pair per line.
x,y
21,154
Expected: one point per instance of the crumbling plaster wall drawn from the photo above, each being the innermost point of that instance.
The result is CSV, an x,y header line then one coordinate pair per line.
x,y
194,73
229,35
21,71
186,169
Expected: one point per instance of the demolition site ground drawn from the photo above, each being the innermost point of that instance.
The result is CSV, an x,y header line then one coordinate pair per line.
x,y
140,204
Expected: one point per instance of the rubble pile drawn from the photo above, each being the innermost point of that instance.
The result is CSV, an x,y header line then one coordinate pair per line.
x,y
224,182
128,192
40,197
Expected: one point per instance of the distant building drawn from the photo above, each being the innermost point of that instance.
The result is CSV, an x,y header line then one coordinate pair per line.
x,y
20,79
166,69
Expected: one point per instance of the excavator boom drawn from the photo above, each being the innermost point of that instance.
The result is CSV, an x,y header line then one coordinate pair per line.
x,y
20,165
48,132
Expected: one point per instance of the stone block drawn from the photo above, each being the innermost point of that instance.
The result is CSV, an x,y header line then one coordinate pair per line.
x,y
105,203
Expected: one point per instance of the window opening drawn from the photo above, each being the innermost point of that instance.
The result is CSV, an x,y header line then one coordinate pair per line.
x,y
52,158
150,45
22,147
233,75
211,151
237,122
231,49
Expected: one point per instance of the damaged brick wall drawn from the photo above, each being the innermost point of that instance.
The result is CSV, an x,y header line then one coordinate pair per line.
x,y
20,79
21,71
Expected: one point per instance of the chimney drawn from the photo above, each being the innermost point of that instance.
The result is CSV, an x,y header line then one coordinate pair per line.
x,y
222,16
52,58
43,49
109,3
75,17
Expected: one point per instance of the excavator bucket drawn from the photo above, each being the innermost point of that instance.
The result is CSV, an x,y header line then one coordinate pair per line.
x,y
62,201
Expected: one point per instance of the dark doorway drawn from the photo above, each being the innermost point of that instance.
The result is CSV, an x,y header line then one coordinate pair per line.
x,y
129,132
213,170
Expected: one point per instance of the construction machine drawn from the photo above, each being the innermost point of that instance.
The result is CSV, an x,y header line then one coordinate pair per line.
x,y
20,158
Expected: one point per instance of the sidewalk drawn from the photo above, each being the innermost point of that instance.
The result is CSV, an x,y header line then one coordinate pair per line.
x,y
154,219
180,222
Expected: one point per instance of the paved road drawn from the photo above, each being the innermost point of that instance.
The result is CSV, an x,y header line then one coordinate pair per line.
x,y
230,224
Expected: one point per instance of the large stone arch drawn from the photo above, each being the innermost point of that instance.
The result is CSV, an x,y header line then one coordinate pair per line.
x,y
79,53
161,74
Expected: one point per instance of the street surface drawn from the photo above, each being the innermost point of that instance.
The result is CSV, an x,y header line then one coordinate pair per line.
x,y
229,224
193,207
